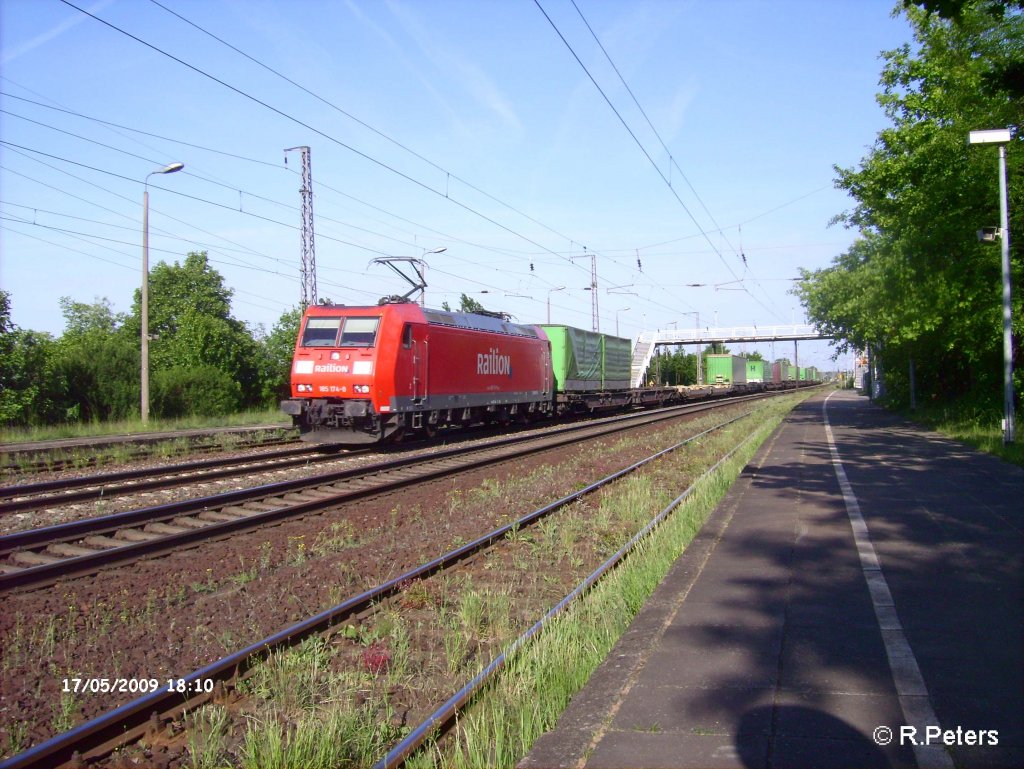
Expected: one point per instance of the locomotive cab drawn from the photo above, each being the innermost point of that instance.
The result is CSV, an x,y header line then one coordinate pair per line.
x,y
333,375
365,374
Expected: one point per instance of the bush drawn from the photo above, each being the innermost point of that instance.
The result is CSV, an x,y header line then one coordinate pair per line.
x,y
195,391
100,376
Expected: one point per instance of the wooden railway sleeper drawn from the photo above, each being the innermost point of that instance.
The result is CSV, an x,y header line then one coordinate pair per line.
x,y
135,535
67,550
235,511
299,497
105,542
28,558
262,506
164,528
217,516
405,472
312,495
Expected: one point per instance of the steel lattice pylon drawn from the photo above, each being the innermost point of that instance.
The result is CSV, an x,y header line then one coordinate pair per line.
x,y
308,270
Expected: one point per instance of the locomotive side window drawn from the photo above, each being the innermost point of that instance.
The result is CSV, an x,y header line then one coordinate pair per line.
x,y
321,332
407,336
359,332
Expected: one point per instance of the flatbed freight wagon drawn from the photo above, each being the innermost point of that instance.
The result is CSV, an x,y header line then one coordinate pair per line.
x,y
591,369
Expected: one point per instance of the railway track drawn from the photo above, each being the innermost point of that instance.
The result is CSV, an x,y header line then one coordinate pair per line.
x,y
79,453
41,556
65,491
148,713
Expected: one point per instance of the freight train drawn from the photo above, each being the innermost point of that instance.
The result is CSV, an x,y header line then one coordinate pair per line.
x,y
365,375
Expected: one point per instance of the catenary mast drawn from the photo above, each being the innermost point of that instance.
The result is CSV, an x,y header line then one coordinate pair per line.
x,y
308,266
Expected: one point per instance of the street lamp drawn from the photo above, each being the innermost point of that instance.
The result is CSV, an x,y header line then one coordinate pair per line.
x,y
144,308
624,309
423,293
550,292
1001,137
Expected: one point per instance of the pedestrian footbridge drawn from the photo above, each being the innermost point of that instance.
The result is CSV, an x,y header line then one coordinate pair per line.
x,y
648,341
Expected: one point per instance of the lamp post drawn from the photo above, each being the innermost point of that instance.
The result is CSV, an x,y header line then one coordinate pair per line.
x,y
624,309
550,292
144,304
1001,137
423,293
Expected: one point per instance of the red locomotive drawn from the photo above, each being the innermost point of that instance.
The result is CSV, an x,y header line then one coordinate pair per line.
x,y
368,374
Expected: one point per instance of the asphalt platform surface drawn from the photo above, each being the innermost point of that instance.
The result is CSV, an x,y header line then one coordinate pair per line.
x,y
808,627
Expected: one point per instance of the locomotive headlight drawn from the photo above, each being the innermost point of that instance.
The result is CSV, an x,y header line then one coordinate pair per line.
x,y
362,389
304,388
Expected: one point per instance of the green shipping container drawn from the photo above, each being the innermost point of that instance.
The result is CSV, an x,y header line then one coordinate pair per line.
x,y
725,369
755,371
585,360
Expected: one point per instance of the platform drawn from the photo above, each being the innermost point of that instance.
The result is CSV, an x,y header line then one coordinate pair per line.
x,y
838,606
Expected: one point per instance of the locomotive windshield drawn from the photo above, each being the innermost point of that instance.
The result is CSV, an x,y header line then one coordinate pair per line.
x,y
359,332
355,332
321,332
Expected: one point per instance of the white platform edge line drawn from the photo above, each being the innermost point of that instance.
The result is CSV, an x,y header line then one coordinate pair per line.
x,y
910,687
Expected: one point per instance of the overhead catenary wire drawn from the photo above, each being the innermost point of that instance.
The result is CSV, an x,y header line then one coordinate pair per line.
x,y
194,242
177,193
232,187
317,131
122,197
448,174
633,135
190,197
643,149
320,184
649,123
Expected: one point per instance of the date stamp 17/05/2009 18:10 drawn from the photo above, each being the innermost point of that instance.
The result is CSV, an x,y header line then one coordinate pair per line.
x,y
136,685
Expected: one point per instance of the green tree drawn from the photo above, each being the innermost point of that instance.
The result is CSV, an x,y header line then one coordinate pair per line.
x,y
469,304
97,362
673,368
466,304
182,391
27,392
276,351
917,285
192,327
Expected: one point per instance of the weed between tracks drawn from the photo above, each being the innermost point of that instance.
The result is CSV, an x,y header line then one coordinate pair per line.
x,y
343,702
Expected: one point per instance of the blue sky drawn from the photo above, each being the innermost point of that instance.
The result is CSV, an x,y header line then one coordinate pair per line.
x,y
464,125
